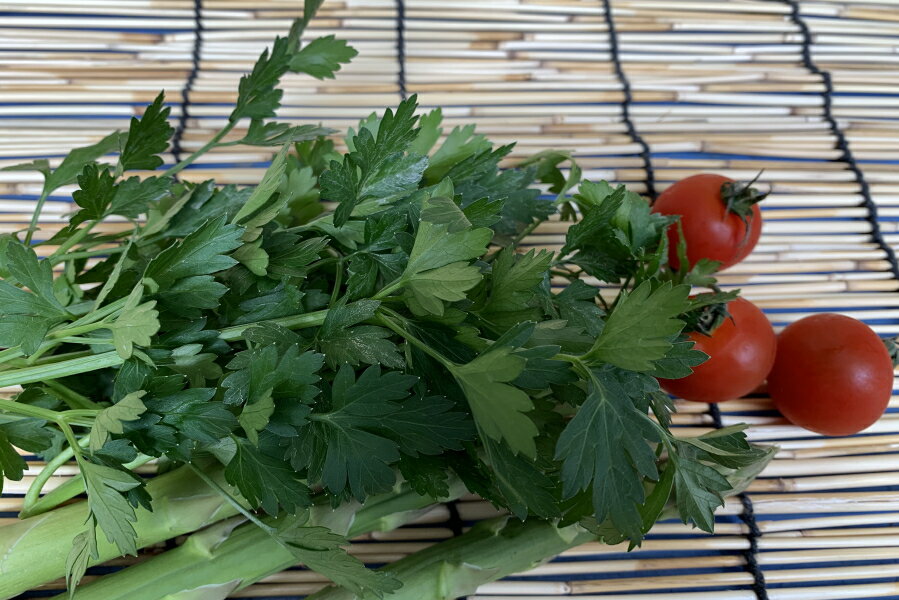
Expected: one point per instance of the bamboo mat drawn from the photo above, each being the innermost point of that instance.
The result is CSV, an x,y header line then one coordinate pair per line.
x,y
645,93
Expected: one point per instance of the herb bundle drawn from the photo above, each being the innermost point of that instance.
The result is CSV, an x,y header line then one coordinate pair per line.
x,y
320,373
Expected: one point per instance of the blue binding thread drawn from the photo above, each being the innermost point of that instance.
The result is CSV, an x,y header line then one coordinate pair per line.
x,y
842,144
627,101
748,518
401,47
177,151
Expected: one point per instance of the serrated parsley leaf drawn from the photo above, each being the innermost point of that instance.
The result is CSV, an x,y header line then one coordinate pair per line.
x,y
377,166
699,489
72,165
113,513
605,445
321,550
350,455
12,465
200,253
84,548
430,289
679,360
36,275
257,96
96,190
641,326
109,420
265,481
499,409
255,416
514,283
136,324
271,133
322,57
343,341
147,137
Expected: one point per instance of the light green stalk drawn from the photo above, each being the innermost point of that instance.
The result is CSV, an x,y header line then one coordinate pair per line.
x,y
228,557
491,550
33,551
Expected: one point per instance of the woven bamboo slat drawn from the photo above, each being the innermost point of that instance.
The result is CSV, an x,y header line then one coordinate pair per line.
x,y
732,87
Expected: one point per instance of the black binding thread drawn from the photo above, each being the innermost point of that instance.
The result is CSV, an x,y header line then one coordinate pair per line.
x,y
842,144
748,518
401,47
751,554
455,523
627,101
177,151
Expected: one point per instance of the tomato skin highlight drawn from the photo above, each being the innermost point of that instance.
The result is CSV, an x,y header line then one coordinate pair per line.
x,y
741,352
833,375
709,229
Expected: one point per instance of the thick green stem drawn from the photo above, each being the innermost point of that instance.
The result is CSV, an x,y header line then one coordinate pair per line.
x,y
229,559
33,551
74,366
489,551
72,487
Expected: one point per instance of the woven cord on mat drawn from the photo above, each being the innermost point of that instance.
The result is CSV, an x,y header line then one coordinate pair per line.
x,y
627,99
842,144
687,86
401,48
177,137
747,516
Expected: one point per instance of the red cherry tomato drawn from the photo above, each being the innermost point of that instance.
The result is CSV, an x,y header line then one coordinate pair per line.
x,y
710,229
833,375
741,352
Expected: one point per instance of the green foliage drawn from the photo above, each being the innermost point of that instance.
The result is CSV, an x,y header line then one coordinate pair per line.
x,y
325,357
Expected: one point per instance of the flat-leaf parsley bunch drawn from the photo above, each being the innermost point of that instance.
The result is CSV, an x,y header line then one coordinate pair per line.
x,y
320,373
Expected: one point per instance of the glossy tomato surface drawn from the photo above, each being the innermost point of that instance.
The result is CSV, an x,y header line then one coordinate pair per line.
x,y
711,231
833,375
741,352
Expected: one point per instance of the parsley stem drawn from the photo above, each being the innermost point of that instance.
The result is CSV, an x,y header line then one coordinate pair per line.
x,y
386,317
74,366
312,319
87,254
74,239
206,148
39,206
391,287
72,487
34,490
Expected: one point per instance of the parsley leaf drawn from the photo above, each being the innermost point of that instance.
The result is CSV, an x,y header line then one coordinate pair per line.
x,y
72,165
109,420
109,508
321,550
147,137
257,96
640,328
498,407
265,481
322,57
12,465
605,444
343,341
377,166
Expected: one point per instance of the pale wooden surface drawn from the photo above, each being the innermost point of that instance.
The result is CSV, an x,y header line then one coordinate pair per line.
x,y
723,81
